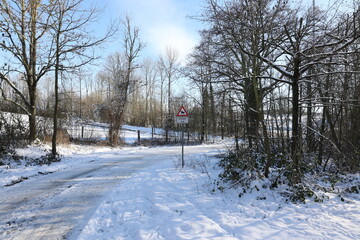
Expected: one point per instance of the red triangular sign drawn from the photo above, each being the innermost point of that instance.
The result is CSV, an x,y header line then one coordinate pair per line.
x,y
182,112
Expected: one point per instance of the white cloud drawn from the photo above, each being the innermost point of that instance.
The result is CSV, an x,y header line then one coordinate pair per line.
x,y
166,35
162,23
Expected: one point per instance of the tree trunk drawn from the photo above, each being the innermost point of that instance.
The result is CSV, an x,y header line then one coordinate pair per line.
x,y
55,116
56,87
295,144
32,126
212,111
309,126
222,121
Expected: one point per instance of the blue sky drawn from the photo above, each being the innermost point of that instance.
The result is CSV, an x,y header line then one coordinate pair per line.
x,y
165,23
162,23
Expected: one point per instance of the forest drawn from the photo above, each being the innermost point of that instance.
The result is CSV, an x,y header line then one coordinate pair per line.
x,y
281,79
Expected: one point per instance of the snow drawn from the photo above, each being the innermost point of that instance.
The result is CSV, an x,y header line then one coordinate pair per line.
x,y
165,201
100,132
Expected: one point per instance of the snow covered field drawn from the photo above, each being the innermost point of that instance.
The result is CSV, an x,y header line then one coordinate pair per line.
x,y
164,201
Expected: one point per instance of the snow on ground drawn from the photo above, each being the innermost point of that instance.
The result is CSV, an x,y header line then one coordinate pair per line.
x,y
168,202
99,131
17,171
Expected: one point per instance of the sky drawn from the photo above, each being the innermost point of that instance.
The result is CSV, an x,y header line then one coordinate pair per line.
x,y
162,23
165,23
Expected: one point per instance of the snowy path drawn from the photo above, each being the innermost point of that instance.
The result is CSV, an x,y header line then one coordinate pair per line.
x,y
141,193
168,203
54,205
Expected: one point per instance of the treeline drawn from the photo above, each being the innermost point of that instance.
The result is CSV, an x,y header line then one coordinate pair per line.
x,y
288,78
280,79
46,49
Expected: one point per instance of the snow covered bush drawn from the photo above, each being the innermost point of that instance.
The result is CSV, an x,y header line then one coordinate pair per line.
x,y
12,130
242,170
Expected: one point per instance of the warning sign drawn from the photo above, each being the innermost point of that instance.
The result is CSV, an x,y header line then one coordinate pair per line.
x,y
182,112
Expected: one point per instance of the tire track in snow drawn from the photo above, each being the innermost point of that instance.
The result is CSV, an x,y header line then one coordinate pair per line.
x,y
51,206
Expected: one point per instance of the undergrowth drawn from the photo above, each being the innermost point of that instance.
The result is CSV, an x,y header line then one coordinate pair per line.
x,y
10,158
243,170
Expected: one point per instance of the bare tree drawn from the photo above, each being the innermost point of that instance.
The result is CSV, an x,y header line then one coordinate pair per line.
x,y
161,79
25,24
198,70
302,54
170,66
258,46
149,77
121,68
61,28
238,32
72,42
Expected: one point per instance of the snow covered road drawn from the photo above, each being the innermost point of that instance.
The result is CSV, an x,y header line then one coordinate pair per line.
x,y
55,205
141,193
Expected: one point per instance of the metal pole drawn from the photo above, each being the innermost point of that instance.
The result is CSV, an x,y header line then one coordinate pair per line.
x,y
182,148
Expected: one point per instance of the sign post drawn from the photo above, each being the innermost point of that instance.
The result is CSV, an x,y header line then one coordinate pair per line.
x,y
182,118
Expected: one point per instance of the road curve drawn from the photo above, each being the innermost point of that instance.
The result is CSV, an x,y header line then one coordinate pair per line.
x,y
51,206
58,205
